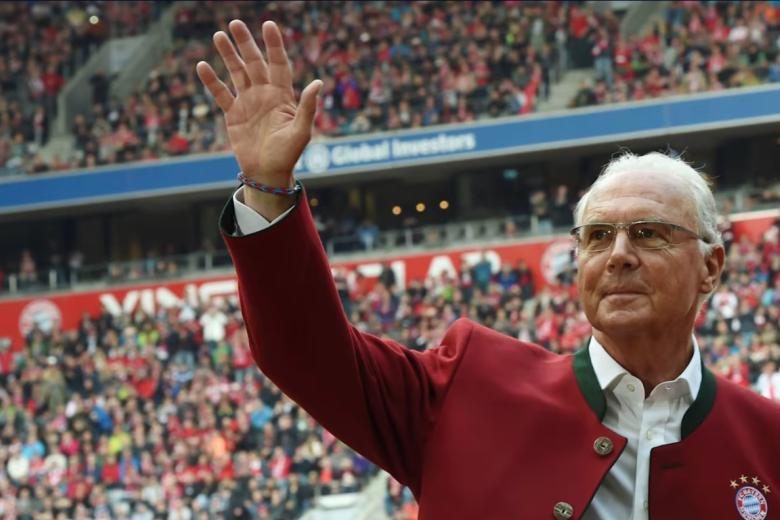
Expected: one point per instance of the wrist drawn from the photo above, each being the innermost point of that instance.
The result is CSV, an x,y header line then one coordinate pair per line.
x,y
268,205
275,190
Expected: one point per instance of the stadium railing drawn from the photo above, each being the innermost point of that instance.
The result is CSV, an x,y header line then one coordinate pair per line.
x,y
338,248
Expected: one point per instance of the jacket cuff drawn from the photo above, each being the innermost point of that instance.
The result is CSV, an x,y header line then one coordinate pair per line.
x,y
228,223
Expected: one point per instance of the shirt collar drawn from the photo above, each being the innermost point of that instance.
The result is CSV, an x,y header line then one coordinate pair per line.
x,y
608,370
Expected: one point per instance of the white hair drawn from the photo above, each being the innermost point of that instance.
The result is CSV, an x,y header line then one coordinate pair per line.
x,y
697,183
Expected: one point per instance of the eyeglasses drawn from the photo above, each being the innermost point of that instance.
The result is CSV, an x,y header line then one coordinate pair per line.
x,y
643,234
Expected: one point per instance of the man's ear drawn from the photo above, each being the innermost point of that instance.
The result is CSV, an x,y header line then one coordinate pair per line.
x,y
712,269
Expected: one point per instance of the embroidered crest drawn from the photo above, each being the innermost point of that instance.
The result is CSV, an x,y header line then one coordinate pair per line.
x,y
751,503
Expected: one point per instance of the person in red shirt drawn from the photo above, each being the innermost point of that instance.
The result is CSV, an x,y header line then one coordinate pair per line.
x,y
70,445
110,474
145,380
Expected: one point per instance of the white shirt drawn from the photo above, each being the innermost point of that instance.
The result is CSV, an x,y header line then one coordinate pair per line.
x,y
248,220
645,423
768,385
213,323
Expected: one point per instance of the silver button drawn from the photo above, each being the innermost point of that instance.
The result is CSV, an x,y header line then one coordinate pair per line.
x,y
603,446
563,511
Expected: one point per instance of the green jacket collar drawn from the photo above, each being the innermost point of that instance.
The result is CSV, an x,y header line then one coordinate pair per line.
x,y
594,396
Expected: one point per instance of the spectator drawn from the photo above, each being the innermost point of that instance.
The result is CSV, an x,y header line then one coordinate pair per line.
x,y
507,277
561,207
541,221
482,272
768,383
28,273
387,277
213,323
725,302
368,233
603,55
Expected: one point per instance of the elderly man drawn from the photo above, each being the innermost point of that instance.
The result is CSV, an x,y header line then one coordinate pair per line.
x,y
485,426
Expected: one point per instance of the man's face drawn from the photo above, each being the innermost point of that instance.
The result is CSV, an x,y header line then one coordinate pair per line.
x,y
625,289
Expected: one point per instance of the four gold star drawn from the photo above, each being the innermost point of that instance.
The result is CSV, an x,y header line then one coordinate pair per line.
x,y
755,480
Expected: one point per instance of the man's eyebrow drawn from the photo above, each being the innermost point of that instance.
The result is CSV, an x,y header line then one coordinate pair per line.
x,y
597,219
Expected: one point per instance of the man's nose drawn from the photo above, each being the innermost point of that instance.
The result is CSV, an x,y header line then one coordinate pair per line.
x,y
622,254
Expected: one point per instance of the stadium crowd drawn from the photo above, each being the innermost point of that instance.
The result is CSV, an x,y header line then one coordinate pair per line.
x,y
165,416
696,47
387,65
42,45
378,63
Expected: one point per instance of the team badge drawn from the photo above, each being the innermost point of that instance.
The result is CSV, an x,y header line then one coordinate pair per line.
x,y
750,500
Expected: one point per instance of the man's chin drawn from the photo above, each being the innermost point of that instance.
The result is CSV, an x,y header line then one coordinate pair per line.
x,y
622,322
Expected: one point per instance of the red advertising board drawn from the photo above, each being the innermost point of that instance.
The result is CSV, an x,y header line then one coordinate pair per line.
x,y
545,258
753,224
17,316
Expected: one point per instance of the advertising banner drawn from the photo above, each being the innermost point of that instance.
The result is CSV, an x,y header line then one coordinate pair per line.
x,y
17,316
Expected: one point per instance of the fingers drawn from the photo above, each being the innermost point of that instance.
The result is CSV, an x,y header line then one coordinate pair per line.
x,y
235,65
256,67
278,65
219,90
307,107
250,68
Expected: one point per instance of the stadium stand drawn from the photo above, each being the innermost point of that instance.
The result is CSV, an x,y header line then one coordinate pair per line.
x,y
378,60
42,45
697,47
483,65
164,415
137,416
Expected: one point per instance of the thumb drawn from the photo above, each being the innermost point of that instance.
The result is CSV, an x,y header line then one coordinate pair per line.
x,y
307,107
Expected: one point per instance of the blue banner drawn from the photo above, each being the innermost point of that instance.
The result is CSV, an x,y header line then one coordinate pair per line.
x,y
364,154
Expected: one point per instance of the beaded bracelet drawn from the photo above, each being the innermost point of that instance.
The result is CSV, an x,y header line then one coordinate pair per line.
x,y
268,189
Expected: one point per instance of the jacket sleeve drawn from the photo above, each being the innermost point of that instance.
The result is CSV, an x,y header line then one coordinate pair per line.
x,y
377,396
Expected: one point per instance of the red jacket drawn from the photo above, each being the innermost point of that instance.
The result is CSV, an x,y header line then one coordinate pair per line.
x,y
483,426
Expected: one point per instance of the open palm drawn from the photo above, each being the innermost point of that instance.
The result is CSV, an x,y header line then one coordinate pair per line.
x,y
267,129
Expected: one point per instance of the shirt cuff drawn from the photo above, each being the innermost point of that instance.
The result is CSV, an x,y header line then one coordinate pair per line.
x,y
249,221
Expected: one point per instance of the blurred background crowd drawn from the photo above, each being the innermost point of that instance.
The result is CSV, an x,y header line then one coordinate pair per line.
x,y
163,416
386,66
700,47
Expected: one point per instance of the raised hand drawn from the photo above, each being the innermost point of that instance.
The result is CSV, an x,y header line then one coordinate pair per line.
x,y
267,128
